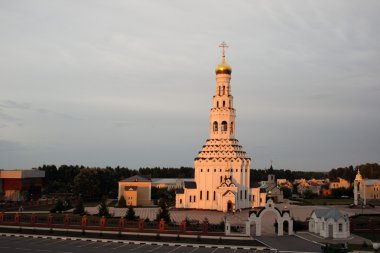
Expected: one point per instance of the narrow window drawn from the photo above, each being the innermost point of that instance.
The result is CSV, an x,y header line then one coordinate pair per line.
x,y
200,195
224,126
232,127
217,104
214,195
208,170
190,199
250,196
241,194
221,178
220,170
253,197
180,201
245,194
194,198
207,195
214,170
220,90
224,90
224,103
215,126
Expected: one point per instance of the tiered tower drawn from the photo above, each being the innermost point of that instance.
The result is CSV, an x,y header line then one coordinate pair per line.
x,y
222,163
222,168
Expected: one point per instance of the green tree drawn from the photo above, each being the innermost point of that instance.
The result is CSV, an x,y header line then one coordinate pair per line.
x,y
287,192
103,209
121,202
88,184
308,194
59,207
163,212
130,215
79,207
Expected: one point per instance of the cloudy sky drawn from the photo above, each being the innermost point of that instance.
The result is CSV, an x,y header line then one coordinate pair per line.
x,y
130,83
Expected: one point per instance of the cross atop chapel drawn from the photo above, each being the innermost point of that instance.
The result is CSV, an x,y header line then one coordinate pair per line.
x,y
223,45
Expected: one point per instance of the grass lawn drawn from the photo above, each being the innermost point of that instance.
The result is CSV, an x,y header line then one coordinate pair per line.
x,y
375,237
321,202
38,208
360,247
91,203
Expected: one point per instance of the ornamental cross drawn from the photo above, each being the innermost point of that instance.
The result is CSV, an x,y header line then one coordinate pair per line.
x,y
223,45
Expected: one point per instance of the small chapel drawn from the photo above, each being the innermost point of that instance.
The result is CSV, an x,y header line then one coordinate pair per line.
x,y
222,168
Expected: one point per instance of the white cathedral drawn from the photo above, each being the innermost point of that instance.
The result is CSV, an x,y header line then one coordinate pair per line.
x,y
222,168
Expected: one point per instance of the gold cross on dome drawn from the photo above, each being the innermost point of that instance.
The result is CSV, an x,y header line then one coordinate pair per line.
x,y
223,45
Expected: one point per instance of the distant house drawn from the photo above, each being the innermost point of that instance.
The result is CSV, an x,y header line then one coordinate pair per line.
x,y
16,184
339,183
365,190
170,183
272,190
137,189
329,223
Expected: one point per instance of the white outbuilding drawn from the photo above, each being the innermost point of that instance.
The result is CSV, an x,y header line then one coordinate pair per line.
x,y
329,223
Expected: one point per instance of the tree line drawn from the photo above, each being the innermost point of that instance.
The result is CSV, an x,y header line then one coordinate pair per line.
x,y
93,183
368,170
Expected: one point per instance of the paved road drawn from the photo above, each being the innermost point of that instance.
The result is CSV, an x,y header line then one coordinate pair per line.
x,y
40,245
290,243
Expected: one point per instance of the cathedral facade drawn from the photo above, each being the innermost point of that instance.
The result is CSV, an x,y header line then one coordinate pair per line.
x,y
222,167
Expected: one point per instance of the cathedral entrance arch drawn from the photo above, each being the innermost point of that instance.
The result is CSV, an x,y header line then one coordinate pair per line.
x,y
255,217
229,206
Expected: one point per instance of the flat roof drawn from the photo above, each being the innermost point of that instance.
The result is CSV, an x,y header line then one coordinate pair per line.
x,y
22,174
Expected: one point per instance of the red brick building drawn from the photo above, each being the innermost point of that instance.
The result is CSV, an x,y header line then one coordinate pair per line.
x,y
15,184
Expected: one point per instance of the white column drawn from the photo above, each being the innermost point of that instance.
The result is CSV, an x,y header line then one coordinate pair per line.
x,y
248,228
227,228
290,231
356,193
280,227
258,227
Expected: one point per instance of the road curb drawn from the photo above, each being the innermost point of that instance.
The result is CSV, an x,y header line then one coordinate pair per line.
x,y
71,238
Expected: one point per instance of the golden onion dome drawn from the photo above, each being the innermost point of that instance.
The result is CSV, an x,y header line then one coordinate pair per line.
x,y
223,67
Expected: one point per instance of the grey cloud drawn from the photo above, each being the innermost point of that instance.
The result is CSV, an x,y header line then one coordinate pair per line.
x,y
128,75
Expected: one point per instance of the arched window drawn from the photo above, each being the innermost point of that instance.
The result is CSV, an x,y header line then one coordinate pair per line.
x,y
215,126
224,103
224,126
232,127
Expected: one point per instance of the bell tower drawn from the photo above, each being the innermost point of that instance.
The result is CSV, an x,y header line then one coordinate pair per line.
x,y
222,167
222,114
